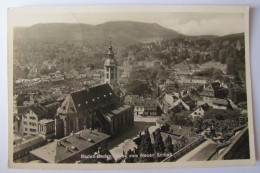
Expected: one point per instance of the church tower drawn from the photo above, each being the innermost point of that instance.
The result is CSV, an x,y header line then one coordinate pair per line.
x,y
110,66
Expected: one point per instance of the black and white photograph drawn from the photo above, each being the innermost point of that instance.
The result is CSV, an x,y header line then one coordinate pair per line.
x,y
127,86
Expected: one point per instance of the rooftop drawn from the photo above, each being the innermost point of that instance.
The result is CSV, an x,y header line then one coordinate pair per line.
x,y
68,146
28,143
81,100
46,121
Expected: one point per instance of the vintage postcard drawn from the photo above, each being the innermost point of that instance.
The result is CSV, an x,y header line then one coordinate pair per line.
x,y
129,87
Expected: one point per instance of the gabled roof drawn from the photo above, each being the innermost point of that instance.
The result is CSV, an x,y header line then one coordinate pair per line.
x,y
188,100
183,64
215,85
218,101
205,106
84,99
129,99
40,111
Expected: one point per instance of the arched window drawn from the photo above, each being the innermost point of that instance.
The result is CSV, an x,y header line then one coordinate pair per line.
x,y
62,128
71,126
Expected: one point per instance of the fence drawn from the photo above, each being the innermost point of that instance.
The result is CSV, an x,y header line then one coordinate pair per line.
x,y
184,150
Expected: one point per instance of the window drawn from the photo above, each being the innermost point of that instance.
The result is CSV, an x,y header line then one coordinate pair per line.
x,y
32,118
107,75
25,122
32,124
32,130
26,129
112,76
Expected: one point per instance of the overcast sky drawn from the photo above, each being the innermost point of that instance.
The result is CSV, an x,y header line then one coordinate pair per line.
x,y
186,23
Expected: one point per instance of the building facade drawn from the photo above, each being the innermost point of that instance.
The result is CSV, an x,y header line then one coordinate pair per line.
x,y
30,119
46,128
96,108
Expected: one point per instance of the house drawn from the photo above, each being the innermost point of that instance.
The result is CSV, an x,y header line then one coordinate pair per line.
x,y
185,103
46,128
146,107
199,112
151,107
214,90
129,99
138,107
21,150
96,76
217,103
182,68
81,147
220,103
210,90
30,118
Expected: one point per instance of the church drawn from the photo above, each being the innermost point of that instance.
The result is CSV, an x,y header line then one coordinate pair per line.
x,y
98,107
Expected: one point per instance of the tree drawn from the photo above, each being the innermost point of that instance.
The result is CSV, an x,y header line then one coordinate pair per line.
x,y
146,147
223,55
158,142
169,148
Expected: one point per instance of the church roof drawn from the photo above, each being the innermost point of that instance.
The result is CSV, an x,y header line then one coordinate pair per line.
x,y
110,62
84,99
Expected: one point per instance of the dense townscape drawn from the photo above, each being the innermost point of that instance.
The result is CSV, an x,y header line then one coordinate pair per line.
x,y
159,100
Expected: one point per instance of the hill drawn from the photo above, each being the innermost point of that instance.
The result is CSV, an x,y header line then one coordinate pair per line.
x,y
123,33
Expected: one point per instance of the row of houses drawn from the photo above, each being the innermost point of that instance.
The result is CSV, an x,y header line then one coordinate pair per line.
x,y
143,106
196,101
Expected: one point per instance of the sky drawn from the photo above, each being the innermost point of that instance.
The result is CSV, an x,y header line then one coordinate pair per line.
x,y
188,23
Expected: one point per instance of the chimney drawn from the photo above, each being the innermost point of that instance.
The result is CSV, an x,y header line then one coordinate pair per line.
x,y
99,150
72,133
78,135
85,127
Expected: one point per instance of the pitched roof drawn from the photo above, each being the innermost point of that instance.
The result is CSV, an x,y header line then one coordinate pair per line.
x,y
182,65
84,99
188,100
150,102
215,85
69,146
28,143
220,101
205,106
109,113
40,111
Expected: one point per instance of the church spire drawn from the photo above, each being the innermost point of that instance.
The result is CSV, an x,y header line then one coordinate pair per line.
x,y
110,66
110,52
